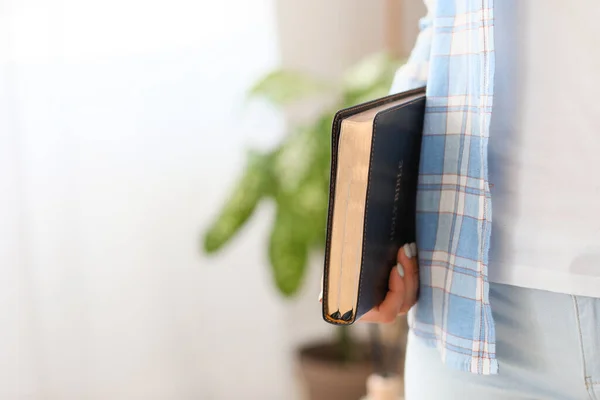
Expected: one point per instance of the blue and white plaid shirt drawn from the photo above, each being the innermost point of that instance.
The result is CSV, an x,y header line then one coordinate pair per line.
x,y
454,56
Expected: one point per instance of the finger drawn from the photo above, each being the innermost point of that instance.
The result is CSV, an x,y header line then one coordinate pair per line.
x,y
407,259
392,304
388,310
371,316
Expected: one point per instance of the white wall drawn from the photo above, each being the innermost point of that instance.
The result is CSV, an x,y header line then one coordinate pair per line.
x,y
122,125
327,36
411,12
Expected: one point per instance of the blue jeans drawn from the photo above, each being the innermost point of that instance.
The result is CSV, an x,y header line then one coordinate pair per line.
x,y
548,347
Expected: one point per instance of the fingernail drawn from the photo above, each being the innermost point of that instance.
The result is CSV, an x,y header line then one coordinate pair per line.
x,y
408,251
400,270
413,249
321,296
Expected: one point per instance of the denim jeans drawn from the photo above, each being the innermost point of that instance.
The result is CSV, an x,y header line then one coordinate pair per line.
x,y
548,347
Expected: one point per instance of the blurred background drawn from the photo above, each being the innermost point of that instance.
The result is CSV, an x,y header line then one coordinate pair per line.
x,y
124,131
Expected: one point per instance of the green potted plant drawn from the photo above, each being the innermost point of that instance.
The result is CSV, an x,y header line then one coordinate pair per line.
x,y
295,177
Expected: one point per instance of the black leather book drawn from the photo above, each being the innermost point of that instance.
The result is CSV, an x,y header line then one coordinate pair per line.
x,y
374,170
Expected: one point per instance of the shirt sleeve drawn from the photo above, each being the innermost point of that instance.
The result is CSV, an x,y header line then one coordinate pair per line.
x,y
414,73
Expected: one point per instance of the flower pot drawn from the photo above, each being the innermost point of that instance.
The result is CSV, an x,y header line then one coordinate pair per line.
x,y
327,378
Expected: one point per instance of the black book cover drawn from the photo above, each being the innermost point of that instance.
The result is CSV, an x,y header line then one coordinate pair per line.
x,y
389,204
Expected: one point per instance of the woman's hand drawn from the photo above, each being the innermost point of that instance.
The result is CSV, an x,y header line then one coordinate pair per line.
x,y
403,287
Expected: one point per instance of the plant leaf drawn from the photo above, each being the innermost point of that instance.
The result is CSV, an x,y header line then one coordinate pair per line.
x,y
370,79
240,206
288,251
357,97
370,72
283,87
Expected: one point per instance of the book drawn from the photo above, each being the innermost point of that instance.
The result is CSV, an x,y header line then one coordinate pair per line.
x,y
372,200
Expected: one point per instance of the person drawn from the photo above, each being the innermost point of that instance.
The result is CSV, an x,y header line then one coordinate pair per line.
x,y
509,308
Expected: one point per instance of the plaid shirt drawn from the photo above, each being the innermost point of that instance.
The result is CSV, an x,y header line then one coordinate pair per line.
x,y
454,56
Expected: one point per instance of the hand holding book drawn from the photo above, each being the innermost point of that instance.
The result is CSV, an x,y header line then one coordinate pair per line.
x,y
403,288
